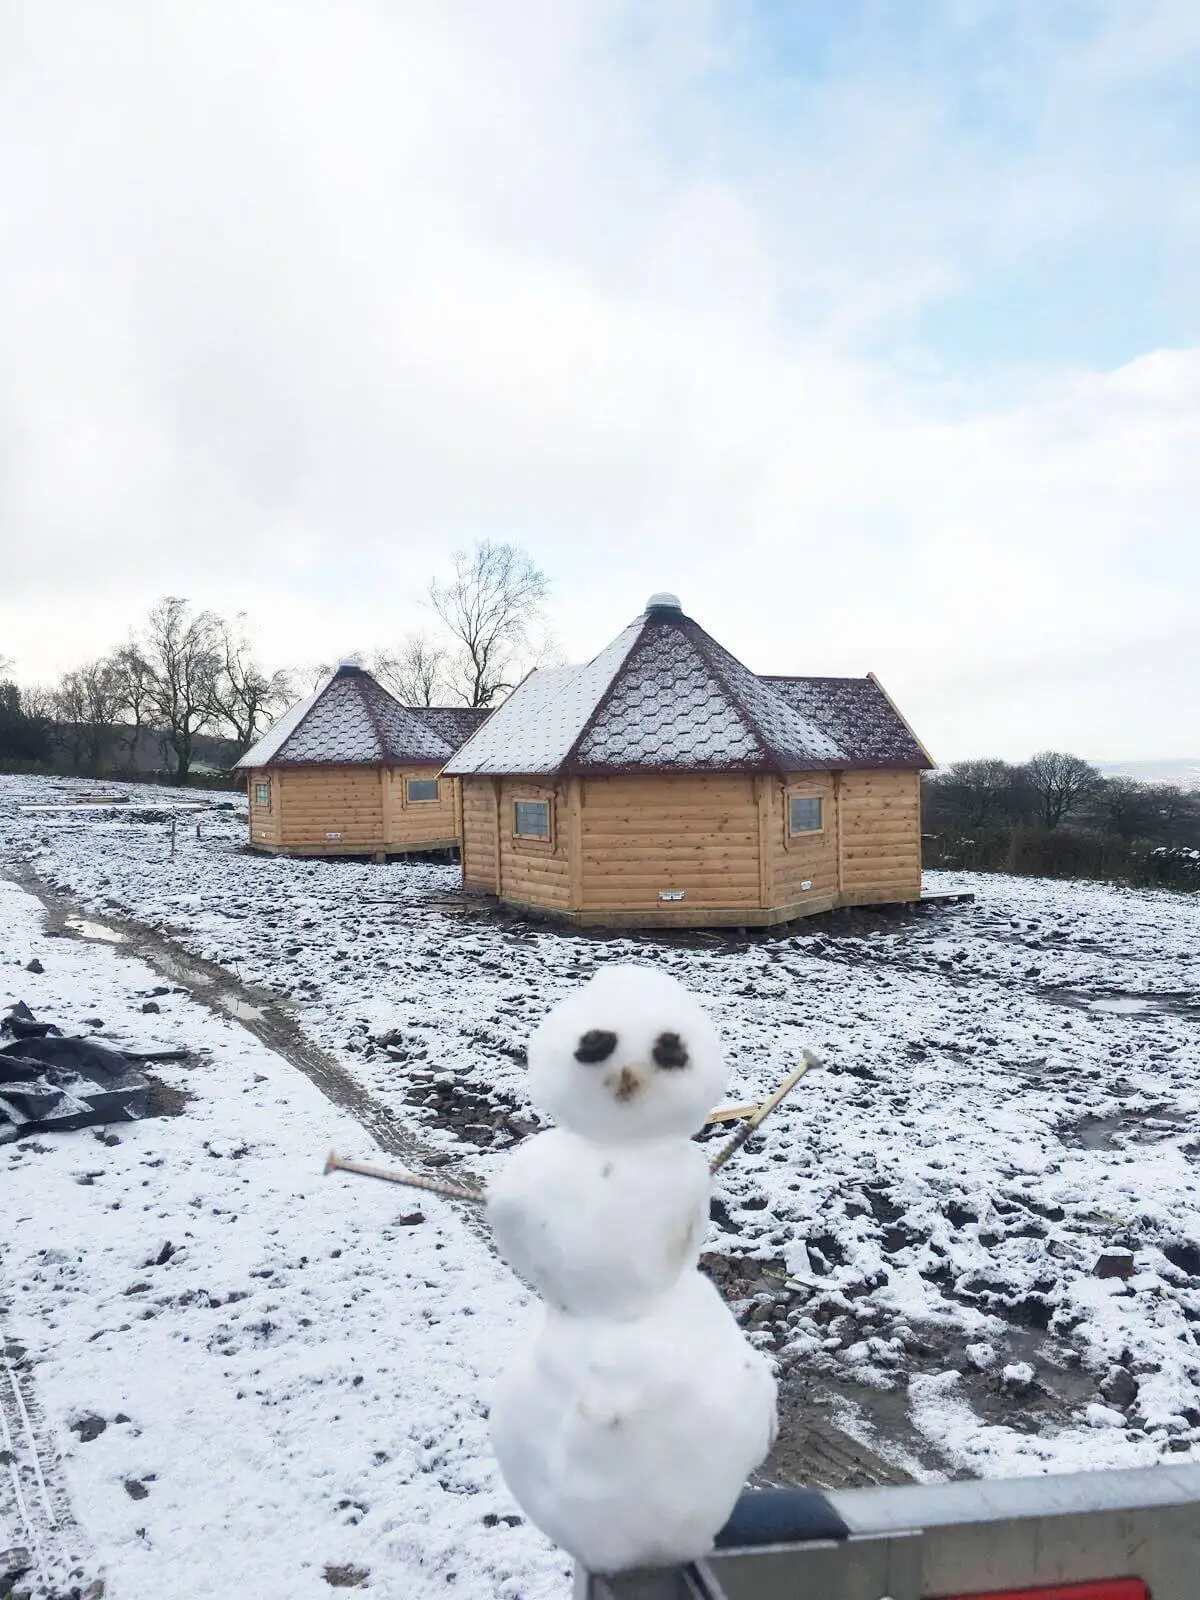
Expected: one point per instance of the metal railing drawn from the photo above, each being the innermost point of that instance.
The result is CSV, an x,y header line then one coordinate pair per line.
x,y
949,1541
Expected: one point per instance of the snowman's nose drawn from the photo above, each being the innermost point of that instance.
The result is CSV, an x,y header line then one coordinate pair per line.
x,y
627,1083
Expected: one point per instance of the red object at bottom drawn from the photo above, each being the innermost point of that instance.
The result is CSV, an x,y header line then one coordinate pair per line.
x,y
1107,1589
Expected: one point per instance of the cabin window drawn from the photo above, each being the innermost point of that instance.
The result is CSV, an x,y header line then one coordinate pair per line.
x,y
418,789
804,813
262,794
531,819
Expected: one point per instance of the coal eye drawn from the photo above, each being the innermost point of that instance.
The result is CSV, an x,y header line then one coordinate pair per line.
x,y
597,1044
670,1051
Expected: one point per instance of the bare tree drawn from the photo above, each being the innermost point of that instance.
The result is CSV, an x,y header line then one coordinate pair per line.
x,y
135,678
241,696
38,701
1127,807
416,674
1061,784
183,653
24,726
976,793
490,606
88,704
1176,812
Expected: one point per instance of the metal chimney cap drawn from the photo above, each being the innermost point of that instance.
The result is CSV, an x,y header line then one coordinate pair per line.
x,y
664,602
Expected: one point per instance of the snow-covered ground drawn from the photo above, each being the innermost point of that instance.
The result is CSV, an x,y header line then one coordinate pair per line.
x,y
1011,1091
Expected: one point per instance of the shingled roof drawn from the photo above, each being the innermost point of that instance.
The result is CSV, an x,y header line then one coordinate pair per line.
x,y
455,724
350,719
666,697
859,717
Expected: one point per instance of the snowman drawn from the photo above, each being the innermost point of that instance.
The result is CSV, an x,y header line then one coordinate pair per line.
x,y
627,1426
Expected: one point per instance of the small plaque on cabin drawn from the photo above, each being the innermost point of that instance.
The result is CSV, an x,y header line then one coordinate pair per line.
x,y
807,884
333,836
670,894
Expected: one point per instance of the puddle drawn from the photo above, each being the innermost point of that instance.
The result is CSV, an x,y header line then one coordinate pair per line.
x,y
239,1008
1176,1003
182,971
83,929
1137,1127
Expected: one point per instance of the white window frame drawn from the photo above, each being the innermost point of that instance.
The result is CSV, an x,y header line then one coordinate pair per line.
x,y
427,800
259,802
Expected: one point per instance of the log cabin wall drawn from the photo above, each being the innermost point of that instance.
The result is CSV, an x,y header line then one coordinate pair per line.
x,y
880,844
263,792
479,836
725,840
533,872
413,824
646,834
802,865
330,811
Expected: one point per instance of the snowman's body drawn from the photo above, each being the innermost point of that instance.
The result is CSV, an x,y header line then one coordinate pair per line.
x,y
600,1229
628,1442
627,1427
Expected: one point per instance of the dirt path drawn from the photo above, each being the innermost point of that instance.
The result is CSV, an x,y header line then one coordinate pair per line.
x,y
812,1449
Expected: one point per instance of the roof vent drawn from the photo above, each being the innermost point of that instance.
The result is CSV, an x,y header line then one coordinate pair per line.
x,y
663,602
350,664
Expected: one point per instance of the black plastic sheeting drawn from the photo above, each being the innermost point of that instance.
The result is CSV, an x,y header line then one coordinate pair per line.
x,y
50,1083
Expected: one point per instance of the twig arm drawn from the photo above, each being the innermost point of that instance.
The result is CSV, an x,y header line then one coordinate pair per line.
x,y
732,1146
410,1180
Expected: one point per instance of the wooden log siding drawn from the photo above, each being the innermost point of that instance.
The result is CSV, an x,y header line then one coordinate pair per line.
x,y
318,801
696,832
880,843
419,824
616,843
804,859
533,872
479,857
264,819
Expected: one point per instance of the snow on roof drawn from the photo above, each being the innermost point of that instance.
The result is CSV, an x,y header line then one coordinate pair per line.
x,y
859,716
260,754
349,720
665,696
533,730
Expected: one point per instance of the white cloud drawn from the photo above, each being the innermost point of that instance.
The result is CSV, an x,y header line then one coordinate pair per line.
x,y
296,298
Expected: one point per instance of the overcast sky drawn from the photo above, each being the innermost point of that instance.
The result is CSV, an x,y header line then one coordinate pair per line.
x,y
871,329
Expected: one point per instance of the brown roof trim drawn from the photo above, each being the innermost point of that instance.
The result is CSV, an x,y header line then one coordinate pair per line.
x,y
550,780
344,761
932,764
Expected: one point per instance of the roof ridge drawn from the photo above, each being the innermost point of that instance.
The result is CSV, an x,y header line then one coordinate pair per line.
x,y
360,683
602,703
408,715
315,700
718,671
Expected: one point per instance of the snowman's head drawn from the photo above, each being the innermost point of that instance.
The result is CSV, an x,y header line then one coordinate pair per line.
x,y
632,1055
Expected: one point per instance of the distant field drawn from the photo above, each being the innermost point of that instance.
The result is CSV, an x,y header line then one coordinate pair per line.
x,y
1184,771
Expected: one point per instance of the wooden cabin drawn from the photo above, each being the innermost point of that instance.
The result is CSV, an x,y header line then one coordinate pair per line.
x,y
663,783
350,771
